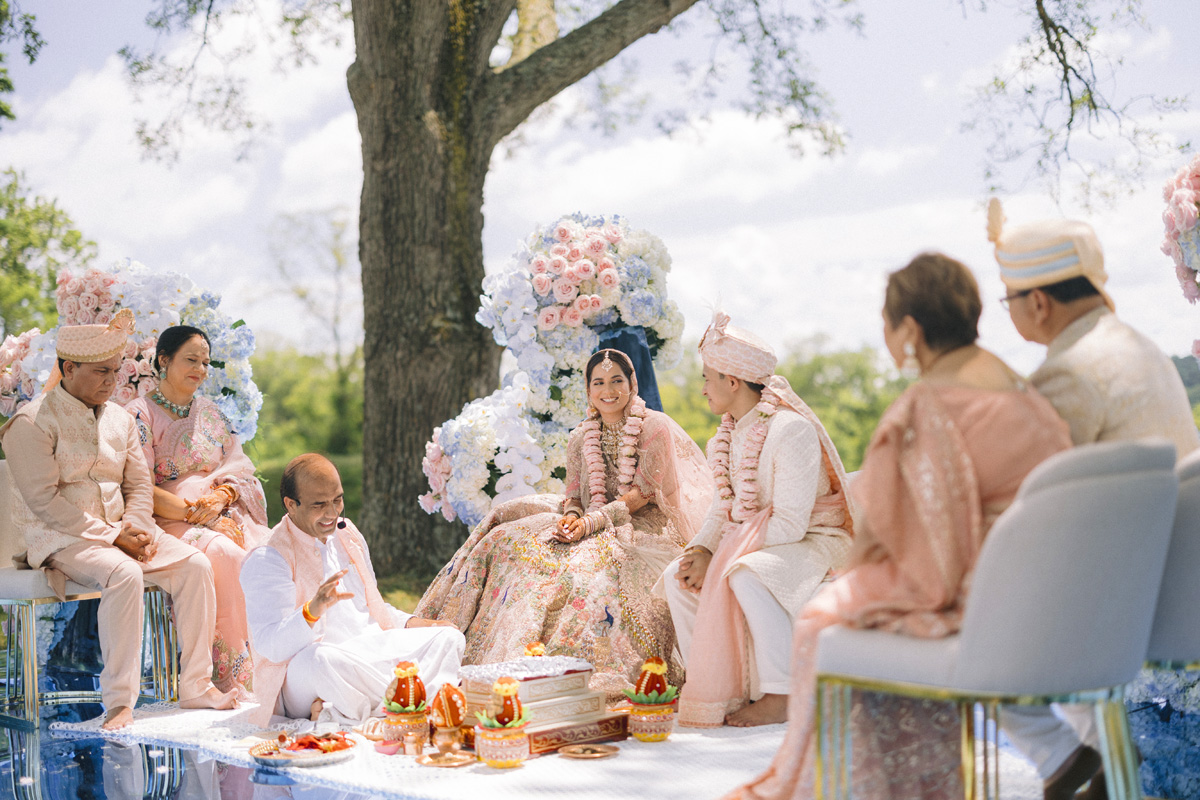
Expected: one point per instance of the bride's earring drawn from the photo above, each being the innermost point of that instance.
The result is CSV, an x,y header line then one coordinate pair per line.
x,y
911,368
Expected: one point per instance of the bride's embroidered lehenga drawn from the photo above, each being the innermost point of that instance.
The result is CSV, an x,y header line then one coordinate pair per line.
x,y
190,457
512,583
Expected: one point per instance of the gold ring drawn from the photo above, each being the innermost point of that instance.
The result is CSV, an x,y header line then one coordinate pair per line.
x,y
141,558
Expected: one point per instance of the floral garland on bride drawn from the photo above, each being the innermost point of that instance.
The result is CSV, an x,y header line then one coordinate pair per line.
x,y
593,458
567,284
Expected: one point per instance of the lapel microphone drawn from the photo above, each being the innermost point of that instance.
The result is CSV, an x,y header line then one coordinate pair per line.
x,y
341,523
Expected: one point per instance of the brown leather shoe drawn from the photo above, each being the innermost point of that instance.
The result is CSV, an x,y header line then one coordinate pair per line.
x,y
1077,770
1096,790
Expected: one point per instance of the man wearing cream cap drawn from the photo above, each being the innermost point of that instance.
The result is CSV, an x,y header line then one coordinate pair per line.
x,y
83,499
1109,383
780,521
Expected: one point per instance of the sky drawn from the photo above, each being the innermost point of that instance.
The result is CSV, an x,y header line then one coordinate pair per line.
x,y
790,246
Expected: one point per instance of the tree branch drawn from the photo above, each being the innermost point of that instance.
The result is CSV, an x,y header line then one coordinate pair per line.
x,y
515,92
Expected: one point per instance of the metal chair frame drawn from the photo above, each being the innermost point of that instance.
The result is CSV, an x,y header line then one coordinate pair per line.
x,y
980,767
21,699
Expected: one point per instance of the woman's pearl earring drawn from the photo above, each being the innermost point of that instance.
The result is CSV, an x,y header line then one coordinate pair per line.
x,y
911,368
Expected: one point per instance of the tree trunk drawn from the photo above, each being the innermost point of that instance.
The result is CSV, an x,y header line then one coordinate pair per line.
x,y
420,244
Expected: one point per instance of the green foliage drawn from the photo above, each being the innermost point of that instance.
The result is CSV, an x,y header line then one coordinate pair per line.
x,y
37,239
490,722
17,26
308,405
848,389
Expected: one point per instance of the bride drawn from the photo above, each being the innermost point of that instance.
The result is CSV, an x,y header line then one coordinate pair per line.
x,y
576,572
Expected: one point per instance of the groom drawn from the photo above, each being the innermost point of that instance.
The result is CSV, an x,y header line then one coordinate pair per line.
x,y
779,523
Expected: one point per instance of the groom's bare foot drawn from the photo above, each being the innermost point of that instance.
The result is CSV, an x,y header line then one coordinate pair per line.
x,y
213,698
318,706
119,717
769,710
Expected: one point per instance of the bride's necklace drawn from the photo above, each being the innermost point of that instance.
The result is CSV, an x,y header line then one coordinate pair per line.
x,y
175,408
610,439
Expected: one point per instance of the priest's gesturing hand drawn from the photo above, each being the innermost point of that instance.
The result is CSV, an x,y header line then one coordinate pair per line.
x,y
327,594
692,568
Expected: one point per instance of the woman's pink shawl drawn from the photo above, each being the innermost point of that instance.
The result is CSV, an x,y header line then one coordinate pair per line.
x,y
717,679
671,473
196,454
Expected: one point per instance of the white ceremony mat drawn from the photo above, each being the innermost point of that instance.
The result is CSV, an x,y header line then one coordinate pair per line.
x,y
692,765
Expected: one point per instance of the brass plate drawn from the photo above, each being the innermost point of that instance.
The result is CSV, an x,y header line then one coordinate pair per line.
x,y
451,760
269,754
589,750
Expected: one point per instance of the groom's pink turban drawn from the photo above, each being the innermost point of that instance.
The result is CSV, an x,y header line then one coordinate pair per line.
x,y
736,351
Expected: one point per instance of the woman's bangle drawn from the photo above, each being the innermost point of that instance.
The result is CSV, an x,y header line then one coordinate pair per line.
x,y
308,615
231,494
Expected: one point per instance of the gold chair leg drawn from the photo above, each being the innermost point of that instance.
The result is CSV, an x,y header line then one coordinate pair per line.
x,y
1117,750
27,622
966,719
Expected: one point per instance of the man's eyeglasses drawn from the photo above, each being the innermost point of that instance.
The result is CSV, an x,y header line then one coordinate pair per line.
x,y
1004,301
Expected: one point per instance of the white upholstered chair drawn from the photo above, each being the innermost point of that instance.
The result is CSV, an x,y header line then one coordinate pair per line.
x,y
1175,637
23,590
1060,609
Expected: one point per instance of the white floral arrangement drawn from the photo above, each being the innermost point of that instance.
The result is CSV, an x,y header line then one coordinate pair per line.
x,y
566,285
158,300
1181,218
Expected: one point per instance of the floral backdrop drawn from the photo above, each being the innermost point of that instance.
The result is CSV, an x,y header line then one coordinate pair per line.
x,y
158,300
566,285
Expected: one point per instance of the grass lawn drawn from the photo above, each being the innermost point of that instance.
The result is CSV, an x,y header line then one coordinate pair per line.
x,y
403,591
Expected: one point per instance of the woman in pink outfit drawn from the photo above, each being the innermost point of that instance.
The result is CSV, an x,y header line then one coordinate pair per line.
x,y
946,460
205,492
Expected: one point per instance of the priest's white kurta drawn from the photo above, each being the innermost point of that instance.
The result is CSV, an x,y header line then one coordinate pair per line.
x,y
346,659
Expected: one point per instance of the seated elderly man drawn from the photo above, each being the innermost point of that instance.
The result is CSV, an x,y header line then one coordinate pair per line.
x,y
325,642
84,502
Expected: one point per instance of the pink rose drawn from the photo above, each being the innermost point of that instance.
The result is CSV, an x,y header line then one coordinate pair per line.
x,y
572,317
1191,291
564,290
542,284
559,250
564,231
570,274
75,286
108,279
128,368
609,278
428,503
122,379
131,349
448,512
594,246
605,263
547,318
583,303
8,382
557,265
538,264
103,316
85,317
88,301
105,297
584,269
27,385
612,232
575,253
8,405
93,284
68,307
124,394
64,278
145,366
597,303
145,386
1196,349
1169,222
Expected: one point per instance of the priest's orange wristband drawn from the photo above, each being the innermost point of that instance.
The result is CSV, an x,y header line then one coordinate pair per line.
x,y
308,615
